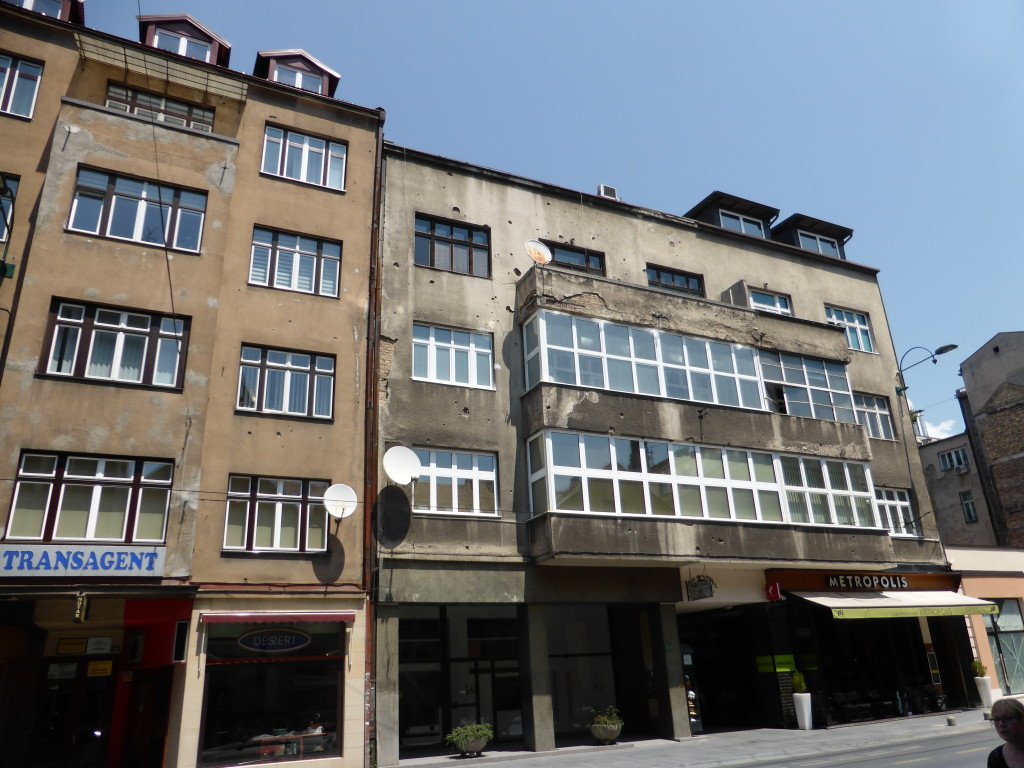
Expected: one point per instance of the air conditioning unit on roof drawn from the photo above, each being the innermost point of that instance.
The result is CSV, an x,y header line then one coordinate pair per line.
x,y
603,190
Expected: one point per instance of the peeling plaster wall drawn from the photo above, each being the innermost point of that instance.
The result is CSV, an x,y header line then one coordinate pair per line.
x,y
198,428
434,415
49,414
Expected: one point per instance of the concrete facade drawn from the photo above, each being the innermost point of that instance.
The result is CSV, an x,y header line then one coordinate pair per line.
x,y
988,552
556,570
120,643
993,406
946,486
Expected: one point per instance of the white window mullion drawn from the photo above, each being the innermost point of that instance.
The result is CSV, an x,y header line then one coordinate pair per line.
x,y
94,505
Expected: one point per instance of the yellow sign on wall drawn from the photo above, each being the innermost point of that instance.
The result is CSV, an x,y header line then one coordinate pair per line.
x,y
99,668
72,645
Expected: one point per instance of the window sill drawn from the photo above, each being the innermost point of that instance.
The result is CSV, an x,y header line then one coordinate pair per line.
x,y
451,271
285,416
304,184
287,554
16,116
311,294
109,383
489,516
152,246
456,385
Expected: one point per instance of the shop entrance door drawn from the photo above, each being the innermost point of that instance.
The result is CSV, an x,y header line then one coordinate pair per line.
x,y
148,709
72,725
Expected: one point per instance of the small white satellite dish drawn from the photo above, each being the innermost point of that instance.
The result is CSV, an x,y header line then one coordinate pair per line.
x,y
340,501
539,252
402,464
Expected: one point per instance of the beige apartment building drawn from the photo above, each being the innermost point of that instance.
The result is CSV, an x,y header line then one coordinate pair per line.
x,y
184,375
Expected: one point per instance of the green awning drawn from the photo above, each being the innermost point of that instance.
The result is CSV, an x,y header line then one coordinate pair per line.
x,y
894,605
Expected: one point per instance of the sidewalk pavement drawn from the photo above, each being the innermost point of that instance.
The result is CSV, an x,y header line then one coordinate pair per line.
x,y
734,748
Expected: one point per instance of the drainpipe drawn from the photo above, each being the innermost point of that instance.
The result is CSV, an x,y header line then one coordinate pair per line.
x,y
370,454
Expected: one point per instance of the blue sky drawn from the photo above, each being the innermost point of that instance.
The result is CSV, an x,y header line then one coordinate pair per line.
x,y
903,121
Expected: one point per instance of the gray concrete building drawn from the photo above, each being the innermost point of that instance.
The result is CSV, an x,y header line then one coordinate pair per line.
x,y
660,464
975,481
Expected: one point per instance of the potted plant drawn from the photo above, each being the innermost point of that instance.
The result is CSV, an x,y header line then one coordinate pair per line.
x,y
983,681
801,700
605,724
470,739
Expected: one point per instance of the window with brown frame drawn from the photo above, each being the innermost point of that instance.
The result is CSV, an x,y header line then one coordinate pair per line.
x,y
133,209
580,259
115,345
453,246
675,280
82,497
155,107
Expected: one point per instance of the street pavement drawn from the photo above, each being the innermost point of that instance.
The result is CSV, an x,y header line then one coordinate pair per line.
x,y
735,748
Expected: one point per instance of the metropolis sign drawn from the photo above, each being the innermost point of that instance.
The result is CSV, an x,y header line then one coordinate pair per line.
x,y
55,561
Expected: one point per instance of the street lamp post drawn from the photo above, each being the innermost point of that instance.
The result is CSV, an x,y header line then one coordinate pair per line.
x,y
901,390
933,356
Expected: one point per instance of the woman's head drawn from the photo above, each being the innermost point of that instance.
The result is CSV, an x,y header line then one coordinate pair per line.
x,y
1008,718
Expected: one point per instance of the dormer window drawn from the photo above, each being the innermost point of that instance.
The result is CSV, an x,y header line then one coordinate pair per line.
x,y
307,81
185,36
184,46
826,246
739,223
51,8
296,68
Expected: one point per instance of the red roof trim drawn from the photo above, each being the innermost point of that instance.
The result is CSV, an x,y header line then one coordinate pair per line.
x,y
348,617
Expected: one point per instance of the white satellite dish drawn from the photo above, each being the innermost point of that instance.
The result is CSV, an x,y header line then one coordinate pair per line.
x,y
340,501
401,464
539,252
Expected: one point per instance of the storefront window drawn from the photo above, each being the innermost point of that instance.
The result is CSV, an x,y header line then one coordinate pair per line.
x,y
273,692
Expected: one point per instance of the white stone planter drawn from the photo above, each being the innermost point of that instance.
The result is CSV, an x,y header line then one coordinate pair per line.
x,y
802,704
985,691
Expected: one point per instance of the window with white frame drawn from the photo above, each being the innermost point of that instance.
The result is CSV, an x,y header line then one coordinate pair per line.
x,y
137,210
275,514
68,497
307,81
806,386
456,482
826,246
115,345
448,356
954,459
277,381
299,157
896,512
594,474
858,329
873,414
50,8
967,505
602,355
159,108
294,262
7,203
19,85
175,42
739,223
775,303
